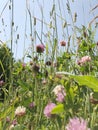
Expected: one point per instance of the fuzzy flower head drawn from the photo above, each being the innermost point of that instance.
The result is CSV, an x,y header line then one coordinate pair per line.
x,y
23,64
63,43
35,67
32,105
40,48
14,122
61,97
58,89
20,111
60,93
48,109
7,119
77,124
84,59
1,82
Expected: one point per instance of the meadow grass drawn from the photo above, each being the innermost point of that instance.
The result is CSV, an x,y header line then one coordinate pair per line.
x,y
57,89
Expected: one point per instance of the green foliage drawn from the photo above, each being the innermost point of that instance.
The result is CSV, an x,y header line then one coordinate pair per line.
x,y
6,57
88,81
58,109
30,85
6,67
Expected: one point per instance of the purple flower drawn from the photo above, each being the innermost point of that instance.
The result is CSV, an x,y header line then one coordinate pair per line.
x,y
7,119
23,64
48,109
1,82
31,105
60,93
60,97
77,124
14,122
83,60
40,48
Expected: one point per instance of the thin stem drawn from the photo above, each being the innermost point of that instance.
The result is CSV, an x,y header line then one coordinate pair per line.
x,y
12,23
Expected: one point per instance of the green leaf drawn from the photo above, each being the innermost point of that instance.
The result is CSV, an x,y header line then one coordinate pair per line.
x,y
88,81
58,109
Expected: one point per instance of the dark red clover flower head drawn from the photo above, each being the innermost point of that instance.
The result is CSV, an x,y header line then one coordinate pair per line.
x,y
63,43
40,48
48,63
36,67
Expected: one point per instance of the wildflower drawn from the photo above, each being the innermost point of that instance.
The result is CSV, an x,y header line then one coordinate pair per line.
x,y
14,122
20,111
48,109
31,63
58,89
63,43
60,97
31,105
40,48
7,119
84,59
77,124
1,82
60,93
48,63
79,62
36,67
23,65
44,81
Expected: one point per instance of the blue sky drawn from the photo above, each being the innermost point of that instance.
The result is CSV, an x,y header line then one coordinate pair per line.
x,y
82,7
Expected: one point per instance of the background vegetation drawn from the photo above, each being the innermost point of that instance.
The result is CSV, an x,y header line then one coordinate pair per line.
x,y
59,83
